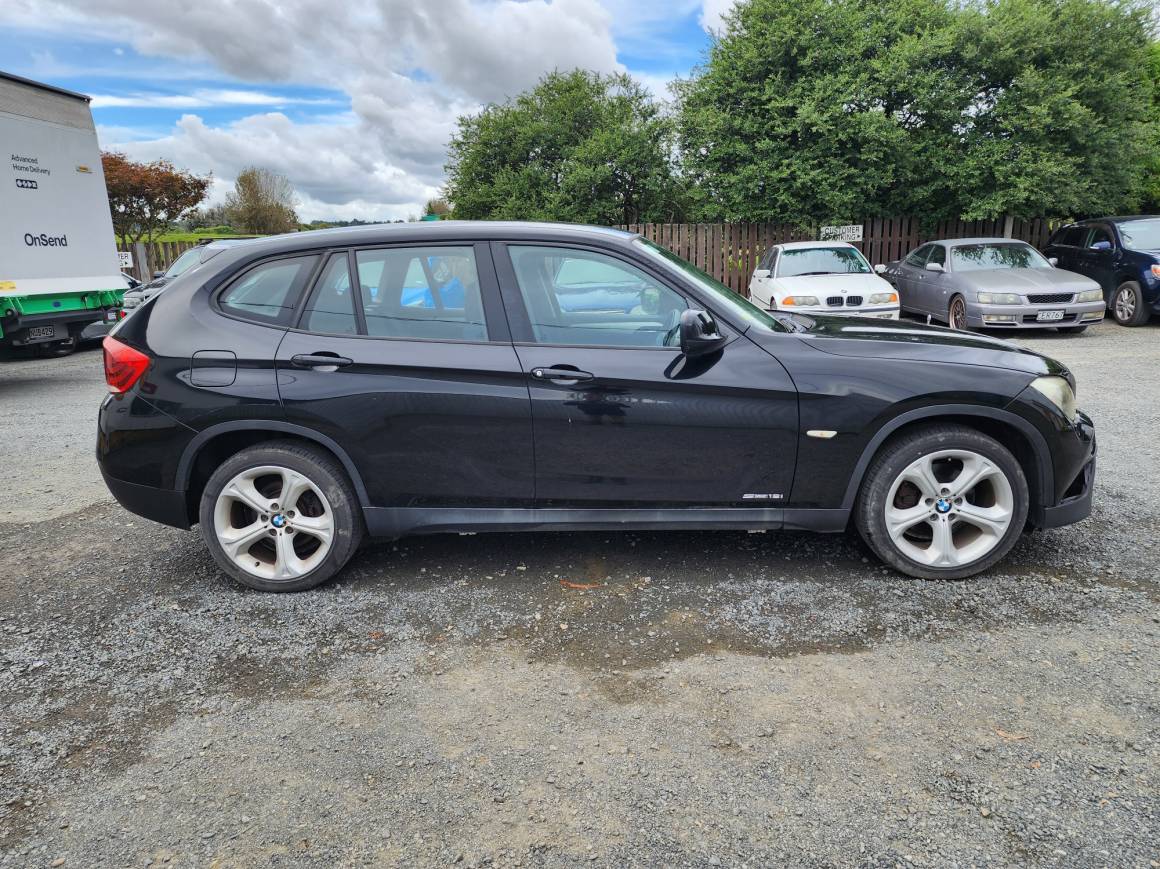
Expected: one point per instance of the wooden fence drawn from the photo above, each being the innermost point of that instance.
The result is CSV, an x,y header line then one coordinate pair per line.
x,y
154,257
730,251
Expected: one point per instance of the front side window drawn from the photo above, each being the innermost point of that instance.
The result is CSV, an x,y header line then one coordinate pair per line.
x,y
1099,234
918,258
331,306
422,292
842,260
268,293
587,298
978,257
938,254
1141,234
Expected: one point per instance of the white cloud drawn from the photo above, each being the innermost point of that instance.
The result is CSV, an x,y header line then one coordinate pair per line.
x,y
408,69
202,98
713,13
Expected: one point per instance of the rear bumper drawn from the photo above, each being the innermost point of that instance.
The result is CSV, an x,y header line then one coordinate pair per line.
x,y
159,505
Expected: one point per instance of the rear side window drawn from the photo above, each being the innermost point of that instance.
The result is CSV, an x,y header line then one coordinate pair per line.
x,y
1073,236
331,306
421,292
268,292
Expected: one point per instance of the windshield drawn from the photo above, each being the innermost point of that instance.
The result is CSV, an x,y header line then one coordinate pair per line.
x,y
977,257
796,262
184,263
1141,234
742,309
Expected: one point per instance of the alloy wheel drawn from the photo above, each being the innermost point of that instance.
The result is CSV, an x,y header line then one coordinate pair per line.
x,y
949,508
958,315
274,523
1125,304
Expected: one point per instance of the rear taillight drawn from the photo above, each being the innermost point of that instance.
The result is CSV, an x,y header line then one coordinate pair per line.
x,y
123,365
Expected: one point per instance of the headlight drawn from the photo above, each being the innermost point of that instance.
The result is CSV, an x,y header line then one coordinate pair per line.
x,y
790,301
1000,299
883,298
1090,296
1059,392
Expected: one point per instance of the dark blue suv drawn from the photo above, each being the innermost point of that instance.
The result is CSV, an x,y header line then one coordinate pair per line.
x,y
1123,254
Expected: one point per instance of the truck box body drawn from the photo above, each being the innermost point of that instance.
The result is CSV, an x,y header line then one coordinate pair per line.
x,y
59,265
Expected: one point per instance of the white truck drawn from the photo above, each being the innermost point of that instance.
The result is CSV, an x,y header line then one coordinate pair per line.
x,y
59,267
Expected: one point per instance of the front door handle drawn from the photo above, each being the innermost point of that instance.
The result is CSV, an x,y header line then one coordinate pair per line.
x,y
321,361
561,374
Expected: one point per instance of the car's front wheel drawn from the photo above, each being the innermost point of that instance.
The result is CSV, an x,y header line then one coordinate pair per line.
x,y
280,516
944,502
1128,305
957,313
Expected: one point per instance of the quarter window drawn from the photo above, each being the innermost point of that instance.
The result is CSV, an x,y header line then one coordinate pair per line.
x,y
268,293
422,292
331,307
587,298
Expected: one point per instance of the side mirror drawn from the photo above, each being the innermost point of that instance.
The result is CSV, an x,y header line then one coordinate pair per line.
x,y
1102,245
761,273
699,335
880,268
1054,260
935,267
159,274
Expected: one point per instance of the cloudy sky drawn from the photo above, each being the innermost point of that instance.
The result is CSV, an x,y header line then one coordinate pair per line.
x,y
353,102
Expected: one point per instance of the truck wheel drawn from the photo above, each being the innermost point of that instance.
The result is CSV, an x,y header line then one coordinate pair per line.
x,y
944,502
280,516
58,348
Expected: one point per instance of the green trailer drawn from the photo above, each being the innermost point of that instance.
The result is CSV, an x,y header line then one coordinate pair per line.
x,y
60,275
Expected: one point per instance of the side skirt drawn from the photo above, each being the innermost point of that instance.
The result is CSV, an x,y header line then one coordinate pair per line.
x,y
401,521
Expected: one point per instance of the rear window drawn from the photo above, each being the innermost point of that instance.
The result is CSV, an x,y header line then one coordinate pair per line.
x,y
267,293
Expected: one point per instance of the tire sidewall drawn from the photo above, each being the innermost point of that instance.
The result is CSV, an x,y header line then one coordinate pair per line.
x,y
871,518
324,474
1140,315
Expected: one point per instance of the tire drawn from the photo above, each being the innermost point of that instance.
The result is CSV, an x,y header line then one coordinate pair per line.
x,y
286,547
957,313
1128,306
948,451
1072,330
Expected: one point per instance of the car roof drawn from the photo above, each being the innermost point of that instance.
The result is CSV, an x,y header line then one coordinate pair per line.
x,y
955,242
1122,219
806,245
430,230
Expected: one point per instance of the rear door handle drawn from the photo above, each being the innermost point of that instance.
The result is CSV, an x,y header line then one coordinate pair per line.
x,y
322,361
562,374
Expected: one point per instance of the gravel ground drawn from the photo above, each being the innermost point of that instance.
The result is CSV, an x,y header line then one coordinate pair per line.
x,y
711,699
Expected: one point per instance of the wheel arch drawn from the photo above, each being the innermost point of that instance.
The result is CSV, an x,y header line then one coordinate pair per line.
x,y
217,443
1017,434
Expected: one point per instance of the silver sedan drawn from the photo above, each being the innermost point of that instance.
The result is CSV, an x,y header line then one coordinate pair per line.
x,y
994,283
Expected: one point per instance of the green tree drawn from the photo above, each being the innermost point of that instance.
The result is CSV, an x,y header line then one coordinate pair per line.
x,y
579,147
262,202
1152,173
822,110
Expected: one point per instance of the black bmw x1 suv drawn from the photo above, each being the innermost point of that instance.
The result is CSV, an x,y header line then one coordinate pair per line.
x,y
296,393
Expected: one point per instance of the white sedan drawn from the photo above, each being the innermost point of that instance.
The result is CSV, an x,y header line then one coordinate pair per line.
x,y
821,277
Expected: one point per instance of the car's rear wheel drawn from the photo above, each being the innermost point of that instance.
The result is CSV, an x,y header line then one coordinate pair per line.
x,y
957,313
944,502
1128,305
280,517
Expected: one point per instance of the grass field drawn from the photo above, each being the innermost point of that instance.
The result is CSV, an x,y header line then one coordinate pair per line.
x,y
199,234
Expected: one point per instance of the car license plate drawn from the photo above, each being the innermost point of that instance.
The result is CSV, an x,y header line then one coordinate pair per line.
x,y
110,316
41,332
1049,316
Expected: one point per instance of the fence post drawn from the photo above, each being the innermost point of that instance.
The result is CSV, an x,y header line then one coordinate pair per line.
x,y
1008,225
141,262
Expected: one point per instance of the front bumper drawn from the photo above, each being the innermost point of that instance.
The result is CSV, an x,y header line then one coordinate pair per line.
x,y
876,313
1075,503
1025,316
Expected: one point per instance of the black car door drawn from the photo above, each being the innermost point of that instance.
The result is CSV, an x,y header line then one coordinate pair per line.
x,y
620,417
403,369
1097,258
